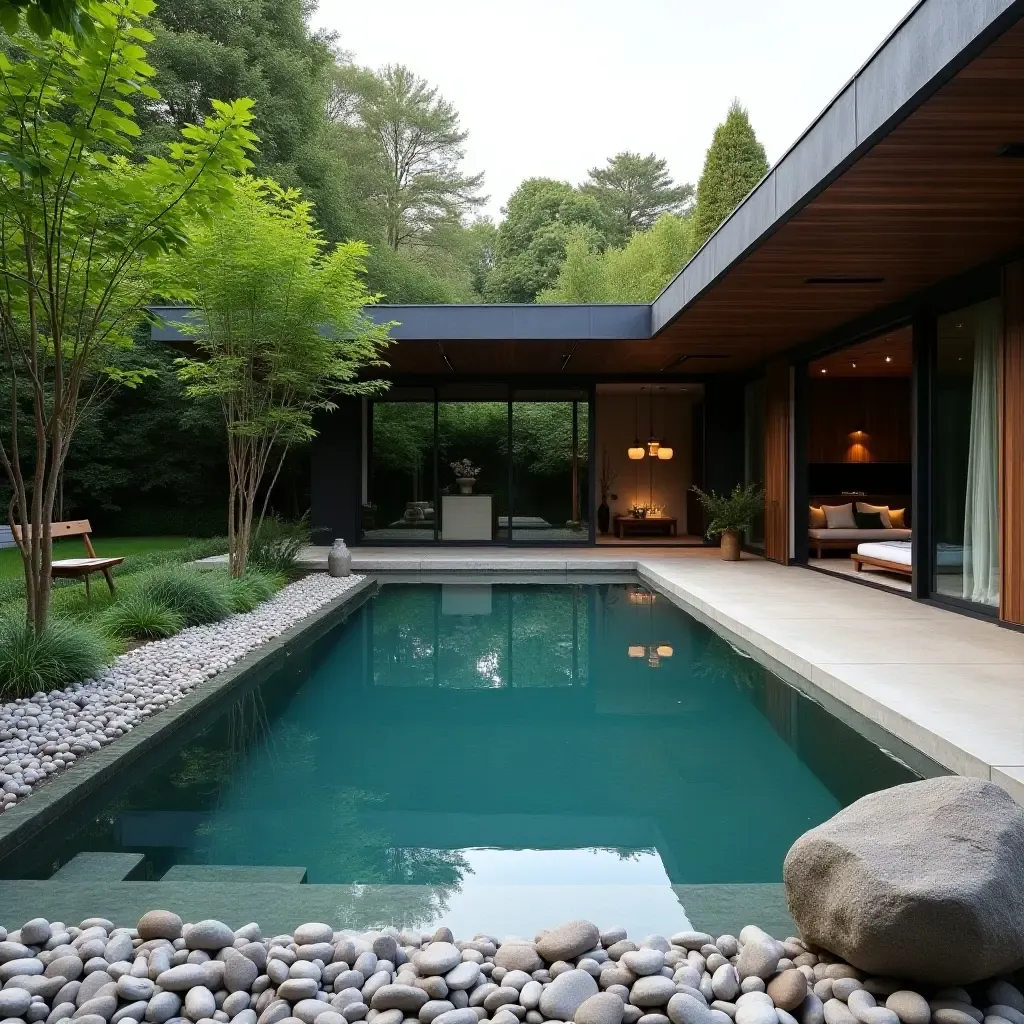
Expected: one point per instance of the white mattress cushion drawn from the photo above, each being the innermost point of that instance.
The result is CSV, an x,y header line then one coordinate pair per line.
x,y
888,551
859,535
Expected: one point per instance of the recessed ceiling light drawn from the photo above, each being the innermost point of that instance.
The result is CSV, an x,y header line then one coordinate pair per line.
x,y
845,279
888,359
854,365
824,371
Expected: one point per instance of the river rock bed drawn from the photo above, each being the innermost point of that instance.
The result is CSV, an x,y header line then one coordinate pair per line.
x,y
166,972
46,733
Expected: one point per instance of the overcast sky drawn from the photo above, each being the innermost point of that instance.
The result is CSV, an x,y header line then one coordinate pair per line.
x,y
553,87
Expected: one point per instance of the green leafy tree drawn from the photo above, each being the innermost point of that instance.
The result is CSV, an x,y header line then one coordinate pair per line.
x,y
531,241
81,232
636,272
206,50
279,329
634,191
734,164
43,16
417,145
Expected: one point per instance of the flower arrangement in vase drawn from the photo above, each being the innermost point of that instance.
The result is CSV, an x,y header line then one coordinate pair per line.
x,y
465,474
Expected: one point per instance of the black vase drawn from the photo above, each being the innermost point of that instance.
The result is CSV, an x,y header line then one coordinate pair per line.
x,y
604,517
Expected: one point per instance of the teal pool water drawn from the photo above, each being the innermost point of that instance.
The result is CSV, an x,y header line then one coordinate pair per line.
x,y
487,745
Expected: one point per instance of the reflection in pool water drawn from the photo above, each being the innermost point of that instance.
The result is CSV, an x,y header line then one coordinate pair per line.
x,y
458,739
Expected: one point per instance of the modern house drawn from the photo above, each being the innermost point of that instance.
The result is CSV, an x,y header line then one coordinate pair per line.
x,y
852,336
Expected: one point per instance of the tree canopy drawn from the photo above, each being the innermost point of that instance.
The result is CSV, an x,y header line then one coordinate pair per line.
x,y
530,243
734,164
635,272
416,144
634,191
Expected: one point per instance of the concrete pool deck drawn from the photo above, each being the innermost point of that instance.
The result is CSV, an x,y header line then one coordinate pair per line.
x,y
949,685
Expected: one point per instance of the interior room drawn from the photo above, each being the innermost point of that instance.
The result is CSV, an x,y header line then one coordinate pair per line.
x,y
647,455
859,461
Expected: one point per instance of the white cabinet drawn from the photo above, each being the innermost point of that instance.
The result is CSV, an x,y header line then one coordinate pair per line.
x,y
467,517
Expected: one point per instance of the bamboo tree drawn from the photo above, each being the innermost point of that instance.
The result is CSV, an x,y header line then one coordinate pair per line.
x,y
81,231
278,324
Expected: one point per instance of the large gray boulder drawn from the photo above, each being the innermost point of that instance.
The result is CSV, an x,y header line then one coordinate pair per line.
x,y
922,881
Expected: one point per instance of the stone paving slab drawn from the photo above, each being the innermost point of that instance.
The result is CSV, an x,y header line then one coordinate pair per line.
x,y
502,909
235,874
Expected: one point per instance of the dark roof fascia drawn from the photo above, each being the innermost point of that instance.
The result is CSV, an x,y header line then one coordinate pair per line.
x,y
598,322
516,322
935,41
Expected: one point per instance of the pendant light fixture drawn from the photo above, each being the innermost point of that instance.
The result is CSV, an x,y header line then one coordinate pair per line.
x,y
653,443
636,452
665,452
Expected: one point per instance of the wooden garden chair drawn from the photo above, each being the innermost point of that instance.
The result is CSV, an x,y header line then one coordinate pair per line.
x,y
75,568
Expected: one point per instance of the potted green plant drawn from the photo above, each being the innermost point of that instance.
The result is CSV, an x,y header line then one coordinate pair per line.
x,y
730,514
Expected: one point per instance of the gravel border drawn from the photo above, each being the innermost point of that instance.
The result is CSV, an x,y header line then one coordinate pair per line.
x,y
164,971
43,735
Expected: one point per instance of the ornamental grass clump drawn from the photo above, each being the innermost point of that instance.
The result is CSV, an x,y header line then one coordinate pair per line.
x,y
253,589
64,652
276,546
138,617
197,596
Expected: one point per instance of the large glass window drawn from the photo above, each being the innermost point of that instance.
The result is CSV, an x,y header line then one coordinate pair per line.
x,y
472,464
965,455
549,470
401,473
753,470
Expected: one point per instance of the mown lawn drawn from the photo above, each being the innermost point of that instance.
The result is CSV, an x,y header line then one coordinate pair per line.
x,y
72,547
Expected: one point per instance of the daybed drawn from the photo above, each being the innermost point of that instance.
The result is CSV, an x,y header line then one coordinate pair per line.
x,y
844,527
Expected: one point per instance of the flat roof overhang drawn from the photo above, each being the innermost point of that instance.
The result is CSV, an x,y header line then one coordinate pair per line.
x,y
898,186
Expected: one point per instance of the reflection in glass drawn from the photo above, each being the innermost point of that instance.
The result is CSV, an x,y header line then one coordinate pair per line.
x,y
401,473
475,433
549,471
965,454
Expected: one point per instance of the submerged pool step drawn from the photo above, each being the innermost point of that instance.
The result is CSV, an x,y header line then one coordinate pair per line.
x,y
99,867
235,874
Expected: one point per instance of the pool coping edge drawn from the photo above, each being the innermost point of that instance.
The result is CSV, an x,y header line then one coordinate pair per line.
x,y
43,807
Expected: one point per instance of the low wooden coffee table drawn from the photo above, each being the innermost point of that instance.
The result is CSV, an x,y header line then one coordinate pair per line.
x,y
652,526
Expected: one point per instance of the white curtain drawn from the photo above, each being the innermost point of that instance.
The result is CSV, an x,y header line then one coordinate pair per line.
x,y
981,521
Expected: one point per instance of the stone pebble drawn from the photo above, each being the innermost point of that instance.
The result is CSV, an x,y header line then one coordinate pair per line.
x,y
44,734
205,973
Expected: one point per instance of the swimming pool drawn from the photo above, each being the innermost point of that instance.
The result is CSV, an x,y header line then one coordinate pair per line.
x,y
484,749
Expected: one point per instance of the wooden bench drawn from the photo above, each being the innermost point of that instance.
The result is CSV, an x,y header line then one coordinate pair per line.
x,y
75,568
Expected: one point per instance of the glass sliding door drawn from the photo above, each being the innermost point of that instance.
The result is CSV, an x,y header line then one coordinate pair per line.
x,y
550,483
472,468
401,472
965,456
753,462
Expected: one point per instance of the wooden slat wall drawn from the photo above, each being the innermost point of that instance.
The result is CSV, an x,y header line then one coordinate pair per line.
x,y
776,463
1011,504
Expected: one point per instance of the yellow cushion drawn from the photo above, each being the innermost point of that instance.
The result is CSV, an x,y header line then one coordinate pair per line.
x,y
817,518
896,518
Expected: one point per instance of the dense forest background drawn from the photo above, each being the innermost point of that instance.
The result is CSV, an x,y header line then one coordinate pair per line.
x,y
380,154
